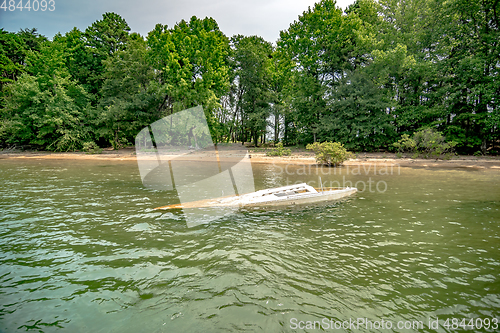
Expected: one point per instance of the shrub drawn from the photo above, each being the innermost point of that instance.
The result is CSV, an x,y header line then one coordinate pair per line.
x,y
405,144
330,153
426,143
91,148
279,151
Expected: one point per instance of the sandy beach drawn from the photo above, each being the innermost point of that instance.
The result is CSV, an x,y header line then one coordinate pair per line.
x,y
297,157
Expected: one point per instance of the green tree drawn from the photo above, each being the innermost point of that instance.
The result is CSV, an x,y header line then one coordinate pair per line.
x,y
321,44
129,96
13,49
453,79
102,39
79,58
359,115
280,102
470,50
46,109
32,39
397,40
252,66
381,68
11,58
191,64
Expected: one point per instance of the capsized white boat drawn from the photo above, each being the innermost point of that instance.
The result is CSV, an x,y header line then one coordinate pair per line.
x,y
297,194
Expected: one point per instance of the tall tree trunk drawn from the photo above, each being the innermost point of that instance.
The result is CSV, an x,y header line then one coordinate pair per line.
x,y
285,135
276,127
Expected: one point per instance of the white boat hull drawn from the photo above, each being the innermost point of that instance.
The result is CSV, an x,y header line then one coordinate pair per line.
x,y
324,196
301,194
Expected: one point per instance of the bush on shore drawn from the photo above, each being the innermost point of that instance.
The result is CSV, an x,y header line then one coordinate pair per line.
x,y
424,143
330,153
279,151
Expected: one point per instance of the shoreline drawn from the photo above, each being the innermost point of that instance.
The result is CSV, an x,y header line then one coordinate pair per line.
x,y
296,158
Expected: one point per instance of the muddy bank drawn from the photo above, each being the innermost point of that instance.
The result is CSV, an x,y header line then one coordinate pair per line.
x,y
297,157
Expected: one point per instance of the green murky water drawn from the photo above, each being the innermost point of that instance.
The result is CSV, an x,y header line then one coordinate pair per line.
x,y
81,250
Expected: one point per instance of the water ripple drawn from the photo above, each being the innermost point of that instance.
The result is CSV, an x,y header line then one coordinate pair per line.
x,y
82,250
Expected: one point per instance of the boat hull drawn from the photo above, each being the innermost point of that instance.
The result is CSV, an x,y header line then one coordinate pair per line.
x,y
322,195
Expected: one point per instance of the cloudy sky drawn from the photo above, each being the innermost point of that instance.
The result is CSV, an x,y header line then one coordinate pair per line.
x,y
258,17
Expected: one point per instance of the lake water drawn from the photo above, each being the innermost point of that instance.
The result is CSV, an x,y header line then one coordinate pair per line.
x,y
82,250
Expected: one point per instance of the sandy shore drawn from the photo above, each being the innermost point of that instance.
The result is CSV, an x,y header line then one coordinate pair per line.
x,y
297,157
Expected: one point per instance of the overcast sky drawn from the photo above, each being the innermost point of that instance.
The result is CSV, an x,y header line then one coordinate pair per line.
x,y
264,18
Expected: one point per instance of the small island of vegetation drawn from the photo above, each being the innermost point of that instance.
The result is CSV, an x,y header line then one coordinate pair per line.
x,y
376,74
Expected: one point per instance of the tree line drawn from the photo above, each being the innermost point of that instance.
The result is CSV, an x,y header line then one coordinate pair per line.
x,y
363,77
